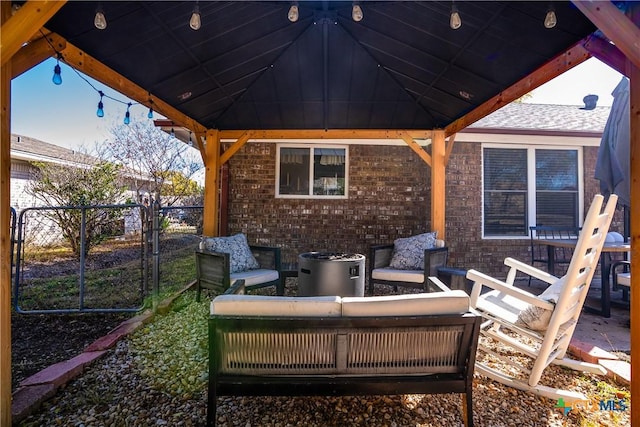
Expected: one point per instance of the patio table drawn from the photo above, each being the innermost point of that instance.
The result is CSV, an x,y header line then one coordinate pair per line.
x,y
605,268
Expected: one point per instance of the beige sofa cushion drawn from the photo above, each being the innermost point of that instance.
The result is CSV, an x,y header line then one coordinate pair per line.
x,y
255,277
434,303
259,305
391,274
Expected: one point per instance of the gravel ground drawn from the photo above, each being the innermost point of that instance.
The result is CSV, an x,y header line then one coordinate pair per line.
x,y
157,377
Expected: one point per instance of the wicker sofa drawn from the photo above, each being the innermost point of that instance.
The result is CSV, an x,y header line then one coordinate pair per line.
x,y
398,344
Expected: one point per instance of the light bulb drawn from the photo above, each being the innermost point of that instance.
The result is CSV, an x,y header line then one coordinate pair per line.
x,y
127,116
356,13
455,22
293,13
100,21
100,112
57,77
190,141
550,19
150,113
195,22
173,133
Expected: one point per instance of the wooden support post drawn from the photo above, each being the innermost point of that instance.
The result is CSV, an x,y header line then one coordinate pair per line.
x,y
634,196
5,235
211,183
438,194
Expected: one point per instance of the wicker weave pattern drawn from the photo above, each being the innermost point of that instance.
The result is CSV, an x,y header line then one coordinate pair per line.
x,y
339,351
264,353
404,350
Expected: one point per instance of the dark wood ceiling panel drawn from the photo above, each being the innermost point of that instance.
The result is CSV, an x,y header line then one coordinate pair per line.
x,y
249,67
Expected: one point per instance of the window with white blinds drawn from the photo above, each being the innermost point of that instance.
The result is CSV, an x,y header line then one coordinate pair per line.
x,y
312,172
529,186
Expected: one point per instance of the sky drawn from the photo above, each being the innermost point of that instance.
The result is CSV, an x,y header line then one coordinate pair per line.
x,y
65,115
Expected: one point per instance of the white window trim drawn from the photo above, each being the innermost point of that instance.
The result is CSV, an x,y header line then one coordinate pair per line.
x,y
310,147
531,193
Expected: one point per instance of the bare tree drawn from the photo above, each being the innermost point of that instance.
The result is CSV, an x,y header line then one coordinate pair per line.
x,y
151,158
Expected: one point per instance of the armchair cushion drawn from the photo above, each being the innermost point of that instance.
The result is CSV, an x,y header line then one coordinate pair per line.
x,y
537,318
241,258
408,252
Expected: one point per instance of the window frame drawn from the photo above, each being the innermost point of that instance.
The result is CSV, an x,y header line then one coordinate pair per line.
x,y
311,147
531,183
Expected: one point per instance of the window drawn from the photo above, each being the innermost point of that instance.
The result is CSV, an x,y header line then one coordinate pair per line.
x,y
529,186
312,172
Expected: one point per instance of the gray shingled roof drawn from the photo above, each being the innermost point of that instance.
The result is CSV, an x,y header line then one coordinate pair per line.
x,y
31,147
545,117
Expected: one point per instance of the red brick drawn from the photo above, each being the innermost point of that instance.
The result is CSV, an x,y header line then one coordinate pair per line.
x,y
62,372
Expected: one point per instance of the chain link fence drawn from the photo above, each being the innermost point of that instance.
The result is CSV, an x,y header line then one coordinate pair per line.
x,y
101,258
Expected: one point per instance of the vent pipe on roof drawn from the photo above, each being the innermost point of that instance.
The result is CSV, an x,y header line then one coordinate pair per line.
x,y
590,102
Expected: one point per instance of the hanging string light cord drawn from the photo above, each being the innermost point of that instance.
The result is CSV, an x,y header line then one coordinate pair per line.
x,y
57,75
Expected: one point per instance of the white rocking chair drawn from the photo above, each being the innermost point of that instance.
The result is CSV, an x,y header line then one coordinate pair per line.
x,y
517,320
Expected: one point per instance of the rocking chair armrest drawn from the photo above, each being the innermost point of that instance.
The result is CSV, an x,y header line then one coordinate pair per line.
x,y
481,279
530,270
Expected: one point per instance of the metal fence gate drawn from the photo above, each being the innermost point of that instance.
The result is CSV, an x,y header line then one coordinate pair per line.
x,y
101,259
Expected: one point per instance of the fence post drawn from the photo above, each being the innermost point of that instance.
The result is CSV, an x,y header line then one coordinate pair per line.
x,y
155,247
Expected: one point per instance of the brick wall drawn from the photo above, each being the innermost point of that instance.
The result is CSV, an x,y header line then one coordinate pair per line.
x,y
389,197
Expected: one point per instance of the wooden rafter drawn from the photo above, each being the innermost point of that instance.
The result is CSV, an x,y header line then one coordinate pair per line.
x,y
19,28
606,52
35,52
552,69
417,148
615,25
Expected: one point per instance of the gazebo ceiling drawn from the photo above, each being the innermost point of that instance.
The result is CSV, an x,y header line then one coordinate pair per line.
x,y
249,67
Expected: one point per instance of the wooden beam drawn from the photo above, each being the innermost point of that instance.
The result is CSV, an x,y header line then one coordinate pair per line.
x,y
235,147
552,69
634,153
607,53
615,25
417,148
79,60
327,134
447,154
211,182
5,236
438,183
35,52
19,28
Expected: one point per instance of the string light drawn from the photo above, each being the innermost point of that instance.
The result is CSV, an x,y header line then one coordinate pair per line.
x,y
173,133
195,23
100,112
57,73
293,12
190,141
550,20
99,20
455,21
57,79
356,12
127,115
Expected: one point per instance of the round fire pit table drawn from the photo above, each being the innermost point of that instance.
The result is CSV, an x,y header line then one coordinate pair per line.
x,y
330,273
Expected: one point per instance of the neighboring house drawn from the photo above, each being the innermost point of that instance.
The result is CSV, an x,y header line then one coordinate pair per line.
x,y
25,151
523,165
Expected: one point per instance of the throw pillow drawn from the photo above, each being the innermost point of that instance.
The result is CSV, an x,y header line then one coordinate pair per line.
x,y
241,258
408,252
537,318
